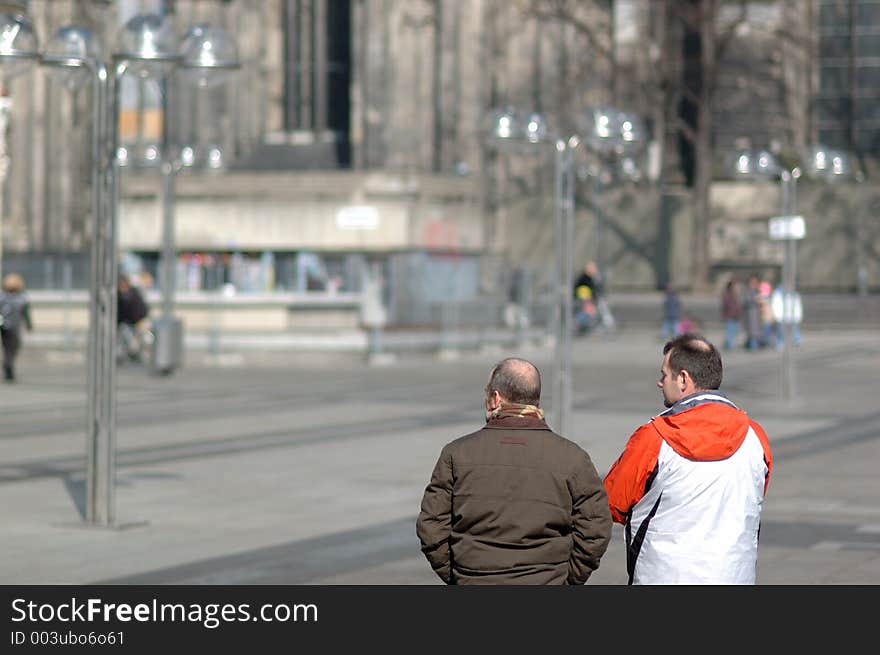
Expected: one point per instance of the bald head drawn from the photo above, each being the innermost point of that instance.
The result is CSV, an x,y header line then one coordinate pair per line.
x,y
692,353
516,381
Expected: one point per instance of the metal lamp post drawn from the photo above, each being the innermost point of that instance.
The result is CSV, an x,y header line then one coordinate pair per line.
x,y
608,131
509,127
823,164
74,56
205,58
789,228
146,44
74,50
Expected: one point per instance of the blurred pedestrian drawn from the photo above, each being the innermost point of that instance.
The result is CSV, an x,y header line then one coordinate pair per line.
x,y
671,313
131,310
787,311
604,315
731,313
688,323
15,313
766,312
585,312
690,484
514,502
752,314
586,315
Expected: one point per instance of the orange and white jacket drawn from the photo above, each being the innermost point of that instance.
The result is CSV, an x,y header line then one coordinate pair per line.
x,y
688,488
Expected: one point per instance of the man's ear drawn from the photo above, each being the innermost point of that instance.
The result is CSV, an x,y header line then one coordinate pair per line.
x,y
494,400
685,381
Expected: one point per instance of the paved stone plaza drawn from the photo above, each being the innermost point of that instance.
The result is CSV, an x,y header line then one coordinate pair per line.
x,y
285,468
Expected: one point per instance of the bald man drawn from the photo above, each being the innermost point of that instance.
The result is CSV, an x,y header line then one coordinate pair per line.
x,y
690,483
514,502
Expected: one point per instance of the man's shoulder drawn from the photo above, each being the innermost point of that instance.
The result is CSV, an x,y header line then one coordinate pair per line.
x,y
647,430
554,439
463,440
567,450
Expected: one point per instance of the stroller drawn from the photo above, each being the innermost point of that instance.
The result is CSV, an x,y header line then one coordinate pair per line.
x,y
133,342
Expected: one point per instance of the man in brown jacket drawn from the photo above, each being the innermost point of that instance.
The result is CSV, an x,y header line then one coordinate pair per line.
x,y
514,503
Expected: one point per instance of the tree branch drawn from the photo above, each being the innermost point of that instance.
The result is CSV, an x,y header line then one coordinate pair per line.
x,y
726,36
687,131
565,11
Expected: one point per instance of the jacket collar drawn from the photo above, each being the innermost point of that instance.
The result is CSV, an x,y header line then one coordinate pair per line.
x,y
517,423
697,399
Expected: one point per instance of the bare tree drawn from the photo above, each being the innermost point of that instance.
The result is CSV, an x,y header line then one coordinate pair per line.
x,y
686,96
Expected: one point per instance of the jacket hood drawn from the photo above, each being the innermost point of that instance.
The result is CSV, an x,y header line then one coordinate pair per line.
x,y
709,431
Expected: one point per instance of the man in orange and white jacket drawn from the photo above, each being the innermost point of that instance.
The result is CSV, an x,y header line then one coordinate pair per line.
x,y
690,483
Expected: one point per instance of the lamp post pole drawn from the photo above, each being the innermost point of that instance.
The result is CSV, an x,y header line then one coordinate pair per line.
x,y
101,375
787,228
568,300
789,264
5,109
507,125
169,170
562,311
101,413
168,330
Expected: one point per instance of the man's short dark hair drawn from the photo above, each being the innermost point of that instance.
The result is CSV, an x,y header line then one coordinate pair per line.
x,y
693,353
517,380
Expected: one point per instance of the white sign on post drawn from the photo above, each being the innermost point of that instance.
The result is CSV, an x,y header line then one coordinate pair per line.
x,y
783,228
357,217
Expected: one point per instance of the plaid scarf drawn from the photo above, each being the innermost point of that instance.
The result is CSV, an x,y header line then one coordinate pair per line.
x,y
514,409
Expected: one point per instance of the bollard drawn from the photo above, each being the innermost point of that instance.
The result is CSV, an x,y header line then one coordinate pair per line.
x,y
167,351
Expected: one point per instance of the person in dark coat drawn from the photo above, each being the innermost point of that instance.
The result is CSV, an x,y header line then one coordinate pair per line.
x,y
14,314
731,313
514,502
131,309
585,295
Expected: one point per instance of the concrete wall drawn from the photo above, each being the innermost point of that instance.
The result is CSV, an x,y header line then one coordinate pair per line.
x,y
294,211
204,312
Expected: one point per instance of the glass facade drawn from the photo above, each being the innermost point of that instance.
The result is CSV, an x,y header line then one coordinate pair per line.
x,y
848,101
256,272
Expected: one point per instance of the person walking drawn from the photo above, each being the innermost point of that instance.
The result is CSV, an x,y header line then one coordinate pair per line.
x,y
768,328
604,315
731,313
787,310
586,314
690,483
514,502
14,314
131,309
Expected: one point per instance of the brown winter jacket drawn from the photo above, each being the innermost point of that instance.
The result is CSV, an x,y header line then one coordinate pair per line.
x,y
514,503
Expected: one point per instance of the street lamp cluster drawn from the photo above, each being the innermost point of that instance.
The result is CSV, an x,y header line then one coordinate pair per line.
x,y
147,46
603,130
819,163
